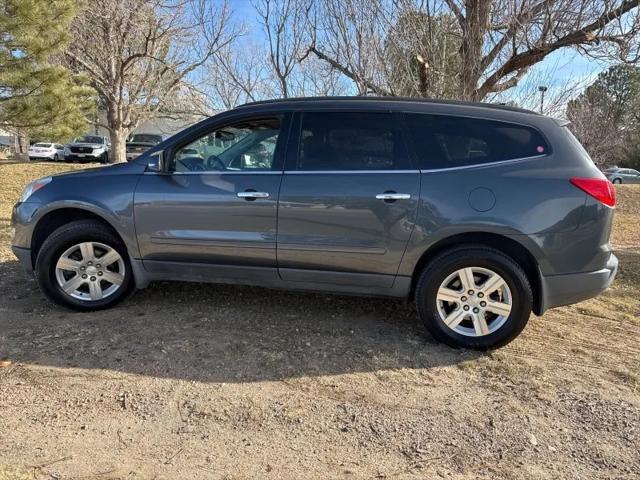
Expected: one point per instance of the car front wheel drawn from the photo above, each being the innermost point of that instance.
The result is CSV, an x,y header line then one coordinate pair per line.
x,y
83,265
474,297
617,180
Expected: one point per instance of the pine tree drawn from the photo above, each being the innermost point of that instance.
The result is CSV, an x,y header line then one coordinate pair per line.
x,y
37,96
605,117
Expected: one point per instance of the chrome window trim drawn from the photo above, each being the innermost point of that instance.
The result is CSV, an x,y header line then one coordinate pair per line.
x,y
221,172
428,170
302,172
487,164
333,172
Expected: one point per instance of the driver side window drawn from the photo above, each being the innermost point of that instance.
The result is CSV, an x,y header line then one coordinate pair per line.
x,y
244,146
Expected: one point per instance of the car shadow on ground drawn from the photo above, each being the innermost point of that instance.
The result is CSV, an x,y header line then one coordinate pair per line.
x,y
217,333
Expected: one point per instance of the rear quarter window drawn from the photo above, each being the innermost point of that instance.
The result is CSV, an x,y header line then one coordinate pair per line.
x,y
441,141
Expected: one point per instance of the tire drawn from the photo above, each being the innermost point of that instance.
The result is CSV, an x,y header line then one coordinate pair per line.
x,y
65,238
617,181
485,261
56,157
104,158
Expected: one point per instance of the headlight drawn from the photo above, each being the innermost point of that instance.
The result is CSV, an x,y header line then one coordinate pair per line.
x,y
33,187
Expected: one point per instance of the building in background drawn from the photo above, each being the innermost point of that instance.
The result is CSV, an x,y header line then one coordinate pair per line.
x,y
7,138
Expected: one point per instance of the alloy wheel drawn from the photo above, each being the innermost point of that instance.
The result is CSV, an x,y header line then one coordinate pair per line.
x,y
90,271
474,301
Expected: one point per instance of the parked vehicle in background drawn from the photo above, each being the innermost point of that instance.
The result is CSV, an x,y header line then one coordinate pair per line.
x,y
622,175
90,148
138,143
479,213
46,151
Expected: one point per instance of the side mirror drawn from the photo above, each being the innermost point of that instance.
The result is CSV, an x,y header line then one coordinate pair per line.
x,y
156,162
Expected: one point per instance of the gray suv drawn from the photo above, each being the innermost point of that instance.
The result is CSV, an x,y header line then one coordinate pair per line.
x,y
478,213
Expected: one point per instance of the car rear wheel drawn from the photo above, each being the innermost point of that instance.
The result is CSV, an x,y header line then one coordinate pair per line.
x,y
474,297
56,157
84,265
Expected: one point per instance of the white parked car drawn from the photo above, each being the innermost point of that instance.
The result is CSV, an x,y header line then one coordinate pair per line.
x,y
50,151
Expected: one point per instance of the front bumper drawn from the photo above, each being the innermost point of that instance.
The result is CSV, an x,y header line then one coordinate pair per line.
x,y
87,157
572,288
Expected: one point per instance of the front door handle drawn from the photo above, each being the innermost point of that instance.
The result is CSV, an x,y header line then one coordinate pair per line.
x,y
252,195
392,196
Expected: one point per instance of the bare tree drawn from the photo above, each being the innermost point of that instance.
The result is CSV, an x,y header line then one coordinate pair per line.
x,y
350,36
284,24
246,70
140,54
500,40
236,75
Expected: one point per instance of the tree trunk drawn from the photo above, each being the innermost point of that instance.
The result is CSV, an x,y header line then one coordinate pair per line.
x,y
474,26
23,142
118,153
117,133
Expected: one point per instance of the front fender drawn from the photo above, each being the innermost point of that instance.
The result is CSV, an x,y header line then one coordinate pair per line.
x,y
105,195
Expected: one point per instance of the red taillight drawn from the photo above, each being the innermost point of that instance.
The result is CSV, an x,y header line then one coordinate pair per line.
x,y
599,188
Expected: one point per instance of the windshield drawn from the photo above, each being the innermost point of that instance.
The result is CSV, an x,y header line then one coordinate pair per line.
x,y
89,139
43,145
145,138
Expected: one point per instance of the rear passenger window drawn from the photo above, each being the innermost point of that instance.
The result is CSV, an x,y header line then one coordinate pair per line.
x,y
442,141
350,141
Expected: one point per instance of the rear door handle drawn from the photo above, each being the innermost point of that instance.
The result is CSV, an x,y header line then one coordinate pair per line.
x,y
252,195
393,196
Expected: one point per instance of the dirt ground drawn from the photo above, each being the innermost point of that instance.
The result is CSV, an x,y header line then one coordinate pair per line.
x,y
189,381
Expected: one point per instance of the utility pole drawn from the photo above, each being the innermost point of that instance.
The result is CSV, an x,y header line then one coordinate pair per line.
x,y
542,89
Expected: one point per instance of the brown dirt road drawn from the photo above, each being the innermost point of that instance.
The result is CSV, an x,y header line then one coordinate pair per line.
x,y
189,381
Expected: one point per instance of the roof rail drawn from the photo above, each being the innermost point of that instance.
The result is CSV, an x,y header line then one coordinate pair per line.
x,y
498,106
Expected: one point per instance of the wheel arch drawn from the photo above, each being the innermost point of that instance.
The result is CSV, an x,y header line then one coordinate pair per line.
x,y
59,217
514,249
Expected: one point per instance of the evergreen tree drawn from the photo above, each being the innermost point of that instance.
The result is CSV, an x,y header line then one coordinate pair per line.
x,y
605,117
37,96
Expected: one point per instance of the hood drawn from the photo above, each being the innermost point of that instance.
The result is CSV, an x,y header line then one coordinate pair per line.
x,y
115,169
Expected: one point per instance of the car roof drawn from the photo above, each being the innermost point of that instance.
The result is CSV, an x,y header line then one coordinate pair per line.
x,y
391,102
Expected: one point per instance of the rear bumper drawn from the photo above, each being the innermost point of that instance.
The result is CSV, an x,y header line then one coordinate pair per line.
x,y
572,288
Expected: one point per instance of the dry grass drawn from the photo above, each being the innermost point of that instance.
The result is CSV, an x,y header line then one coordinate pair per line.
x,y
202,381
627,223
